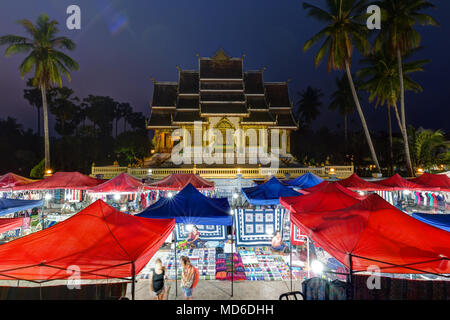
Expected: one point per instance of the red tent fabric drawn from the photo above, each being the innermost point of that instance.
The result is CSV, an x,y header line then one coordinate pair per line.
x,y
177,182
332,196
62,180
315,188
432,181
123,183
374,229
10,180
397,183
354,182
99,240
7,224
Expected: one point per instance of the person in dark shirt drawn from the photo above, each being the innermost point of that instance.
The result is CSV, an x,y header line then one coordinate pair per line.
x,y
157,279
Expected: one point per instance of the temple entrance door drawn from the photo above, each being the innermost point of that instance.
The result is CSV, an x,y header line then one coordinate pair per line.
x,y
228,146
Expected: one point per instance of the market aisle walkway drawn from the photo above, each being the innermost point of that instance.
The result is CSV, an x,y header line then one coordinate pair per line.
x,y
220,290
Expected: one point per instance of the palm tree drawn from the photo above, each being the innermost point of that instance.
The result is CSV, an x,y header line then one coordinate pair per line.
x,y
429,148
400,17
342,102
48,62
307,107
380,79
342,32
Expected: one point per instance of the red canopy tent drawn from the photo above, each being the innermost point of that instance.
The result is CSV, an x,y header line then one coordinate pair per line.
x,y
10,180
123,183
373,232
332,196
7,224
354,182
101,241
62,180
397,183
315,188
177,182
432,181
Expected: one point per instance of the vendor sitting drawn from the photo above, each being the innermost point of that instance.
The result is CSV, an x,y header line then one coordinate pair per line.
x,y
194,237
277,243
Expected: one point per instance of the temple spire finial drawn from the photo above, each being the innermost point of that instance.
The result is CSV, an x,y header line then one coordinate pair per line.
x,y
221,55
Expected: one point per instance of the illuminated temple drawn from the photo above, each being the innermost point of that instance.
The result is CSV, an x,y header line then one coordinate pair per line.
x,y
221,96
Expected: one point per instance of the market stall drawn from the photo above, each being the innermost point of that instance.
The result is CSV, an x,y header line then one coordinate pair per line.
x,y
124,191
355,183
11,180
373,232
307,180
176,182
97,243
191,208
13,225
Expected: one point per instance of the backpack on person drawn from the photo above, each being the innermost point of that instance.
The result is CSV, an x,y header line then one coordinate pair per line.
x,y
196,277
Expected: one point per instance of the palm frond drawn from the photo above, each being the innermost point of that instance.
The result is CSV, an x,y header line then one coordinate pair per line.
x,y
18,48
317,13
12,39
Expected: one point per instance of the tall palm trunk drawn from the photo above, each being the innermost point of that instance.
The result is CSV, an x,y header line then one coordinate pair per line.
x,y
403,116
361,115
391,153
404,135
46,134
345,132
38,121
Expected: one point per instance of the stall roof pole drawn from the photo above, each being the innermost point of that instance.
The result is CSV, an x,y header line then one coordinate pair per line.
x,y
133,284
290,255
350,277
232,257
176,264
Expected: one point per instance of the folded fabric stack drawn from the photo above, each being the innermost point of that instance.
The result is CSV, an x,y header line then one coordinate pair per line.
x,y
260,264
228,269
206,264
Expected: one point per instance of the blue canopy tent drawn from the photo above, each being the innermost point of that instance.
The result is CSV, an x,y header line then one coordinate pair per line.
x,y
305,181
441,221
190,206
15,205
268,193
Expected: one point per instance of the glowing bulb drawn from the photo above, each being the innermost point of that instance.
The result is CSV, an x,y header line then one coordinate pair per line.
x,y
117,196
189,227
235,196
48,196
170,195
317,267
332,170
149,171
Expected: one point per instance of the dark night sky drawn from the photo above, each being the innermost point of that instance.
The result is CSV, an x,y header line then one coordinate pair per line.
x,y
123,44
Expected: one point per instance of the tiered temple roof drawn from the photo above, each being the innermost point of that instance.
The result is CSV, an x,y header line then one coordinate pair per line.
x,y
221,88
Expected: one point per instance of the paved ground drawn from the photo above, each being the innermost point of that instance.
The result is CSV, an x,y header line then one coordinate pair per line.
x,y
221,290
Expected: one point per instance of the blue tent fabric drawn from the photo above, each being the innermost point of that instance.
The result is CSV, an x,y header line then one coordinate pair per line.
x,y
305,181
268,193
15,205
190,206
441,221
